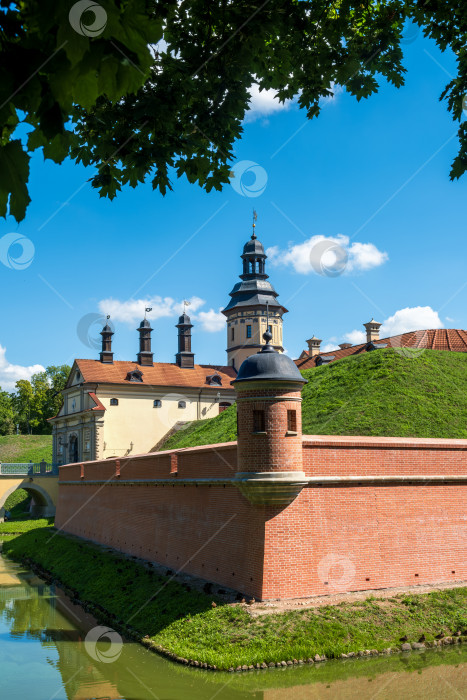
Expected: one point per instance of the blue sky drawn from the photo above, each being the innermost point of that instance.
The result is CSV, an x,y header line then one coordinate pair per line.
x,y
373,176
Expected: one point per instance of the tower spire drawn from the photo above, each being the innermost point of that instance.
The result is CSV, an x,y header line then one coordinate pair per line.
x,y
255,218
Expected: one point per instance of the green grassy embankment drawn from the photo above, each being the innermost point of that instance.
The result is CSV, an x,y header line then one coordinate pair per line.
x,y
25,448
181,621
384,393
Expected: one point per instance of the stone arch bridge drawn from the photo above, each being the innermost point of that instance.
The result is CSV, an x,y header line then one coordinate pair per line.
x,y
38,479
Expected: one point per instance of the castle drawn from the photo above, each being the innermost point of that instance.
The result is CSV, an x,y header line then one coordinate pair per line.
x,y
274,514
116,408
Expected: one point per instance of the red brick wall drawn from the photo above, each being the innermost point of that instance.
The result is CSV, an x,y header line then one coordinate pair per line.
x,y
332,538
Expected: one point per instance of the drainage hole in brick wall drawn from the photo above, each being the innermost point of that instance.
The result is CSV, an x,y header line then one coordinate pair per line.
x,y
416,575
367,579
453,572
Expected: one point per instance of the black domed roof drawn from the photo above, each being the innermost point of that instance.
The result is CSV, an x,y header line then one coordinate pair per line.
x,y
253,246
184,320
107,329
145,324
269,365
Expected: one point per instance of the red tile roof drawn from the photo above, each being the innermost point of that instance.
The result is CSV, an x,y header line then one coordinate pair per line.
x,y
434,339
160,374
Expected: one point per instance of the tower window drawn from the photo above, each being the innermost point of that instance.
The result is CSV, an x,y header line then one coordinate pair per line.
x,y
248,331
114,402
292,421
270,329
157,403
259,422
232,334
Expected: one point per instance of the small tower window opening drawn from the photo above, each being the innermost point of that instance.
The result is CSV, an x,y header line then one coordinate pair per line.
x,y
259,421
248,331
232,334
270,329
292,421
182,404
157,403
114,402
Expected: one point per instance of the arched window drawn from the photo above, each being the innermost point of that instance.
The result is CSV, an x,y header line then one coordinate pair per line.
x,y
157,403
114,402
182,404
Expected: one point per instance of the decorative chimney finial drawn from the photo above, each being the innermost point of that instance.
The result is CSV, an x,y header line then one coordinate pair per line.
x,y
106,354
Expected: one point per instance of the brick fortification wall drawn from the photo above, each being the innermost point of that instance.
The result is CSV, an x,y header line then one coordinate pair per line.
x,y
376,513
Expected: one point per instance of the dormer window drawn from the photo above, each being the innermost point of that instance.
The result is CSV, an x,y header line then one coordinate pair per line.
x,y
325,359
214,380
135,376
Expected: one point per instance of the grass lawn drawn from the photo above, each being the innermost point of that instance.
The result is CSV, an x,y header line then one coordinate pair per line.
x,y
25,448
382,393
25,525
181,620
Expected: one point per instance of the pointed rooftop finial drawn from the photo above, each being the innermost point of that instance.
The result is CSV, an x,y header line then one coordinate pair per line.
x,y
267,335
255,218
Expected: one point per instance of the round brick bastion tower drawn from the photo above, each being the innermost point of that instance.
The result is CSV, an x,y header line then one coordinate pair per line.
x,y
269,428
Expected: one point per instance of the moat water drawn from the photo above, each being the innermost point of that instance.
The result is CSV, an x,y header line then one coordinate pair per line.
x,y
47,653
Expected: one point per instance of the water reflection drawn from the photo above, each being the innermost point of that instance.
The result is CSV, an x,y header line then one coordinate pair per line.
x,y
43,657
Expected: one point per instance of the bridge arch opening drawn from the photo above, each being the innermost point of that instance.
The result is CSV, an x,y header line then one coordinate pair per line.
x,y
43,506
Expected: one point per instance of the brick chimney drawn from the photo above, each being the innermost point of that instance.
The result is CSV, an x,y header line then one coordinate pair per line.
x,y
372,330
314,345
145,355
184,357
106,355
344,346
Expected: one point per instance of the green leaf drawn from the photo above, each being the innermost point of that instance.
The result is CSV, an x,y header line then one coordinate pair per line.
x,y
14,175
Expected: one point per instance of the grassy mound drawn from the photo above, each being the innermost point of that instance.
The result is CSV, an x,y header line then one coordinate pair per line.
x,y
25,448
384,393
181,620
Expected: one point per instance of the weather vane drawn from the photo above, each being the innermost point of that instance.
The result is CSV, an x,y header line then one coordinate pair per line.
x,y
147,310
255,218
185,304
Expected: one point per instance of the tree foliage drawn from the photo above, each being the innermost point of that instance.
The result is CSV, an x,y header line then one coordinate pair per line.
x,y
51,61
183,111
34,402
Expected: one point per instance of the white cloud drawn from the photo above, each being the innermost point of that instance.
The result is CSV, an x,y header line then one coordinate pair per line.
x,y
9,374
329,347
263,103
415,318
450,320
328,255
132,311
212,321
355,337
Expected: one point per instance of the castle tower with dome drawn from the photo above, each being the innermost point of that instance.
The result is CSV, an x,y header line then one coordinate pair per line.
x,y
253,302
